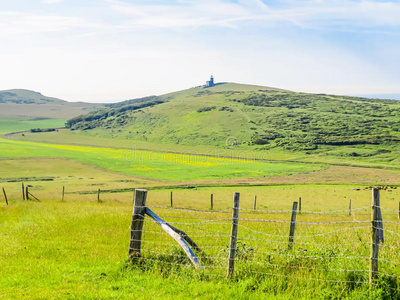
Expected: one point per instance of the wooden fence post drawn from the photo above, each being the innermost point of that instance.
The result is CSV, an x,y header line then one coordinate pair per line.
x,y
139,210
212,201
27,193
234,232
171,200
255,202
292,225
376,236
5,195
299,205
23,192
62,199
98,196
350,207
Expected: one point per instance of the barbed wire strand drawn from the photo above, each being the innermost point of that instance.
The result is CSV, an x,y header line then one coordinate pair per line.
x,y
301,222
304,212
193,210
304,236
386,230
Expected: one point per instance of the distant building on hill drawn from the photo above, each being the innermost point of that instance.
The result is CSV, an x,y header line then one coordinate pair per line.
x,y
210,83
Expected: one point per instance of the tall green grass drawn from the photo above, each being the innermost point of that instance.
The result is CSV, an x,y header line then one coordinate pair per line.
x,y
79,249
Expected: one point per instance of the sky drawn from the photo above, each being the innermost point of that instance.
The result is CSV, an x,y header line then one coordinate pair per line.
x,y
112,50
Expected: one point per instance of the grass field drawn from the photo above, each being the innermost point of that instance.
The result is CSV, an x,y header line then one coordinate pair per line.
x,y
78,249
10,124
64,251
163,166
331,155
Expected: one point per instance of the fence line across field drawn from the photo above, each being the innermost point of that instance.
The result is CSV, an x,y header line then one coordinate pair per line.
x,y
232,244
232,230
26,195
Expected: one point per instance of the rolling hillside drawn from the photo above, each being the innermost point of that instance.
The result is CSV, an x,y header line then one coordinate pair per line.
x,y
251,117
20,96
26,103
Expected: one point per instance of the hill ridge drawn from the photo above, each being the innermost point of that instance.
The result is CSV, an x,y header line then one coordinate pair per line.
x,y
25,96
256,117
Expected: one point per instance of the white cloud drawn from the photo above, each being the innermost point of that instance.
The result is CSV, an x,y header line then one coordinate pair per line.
x,y
187,14
333,14
346,15
311,14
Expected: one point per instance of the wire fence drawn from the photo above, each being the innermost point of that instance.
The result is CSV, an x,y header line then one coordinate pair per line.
x,y
328,246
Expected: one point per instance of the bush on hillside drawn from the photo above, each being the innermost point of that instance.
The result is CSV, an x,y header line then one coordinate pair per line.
x,y
42,130
204,109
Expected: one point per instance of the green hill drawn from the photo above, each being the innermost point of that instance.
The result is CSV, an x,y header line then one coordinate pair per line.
x,y
249,117
20,96
22,110
26,103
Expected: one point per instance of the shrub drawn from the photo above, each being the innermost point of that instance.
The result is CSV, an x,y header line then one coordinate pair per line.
x,y
203,109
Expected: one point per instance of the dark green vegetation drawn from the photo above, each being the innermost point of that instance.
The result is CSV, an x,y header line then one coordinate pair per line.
x,y
306,120
255,116
87,120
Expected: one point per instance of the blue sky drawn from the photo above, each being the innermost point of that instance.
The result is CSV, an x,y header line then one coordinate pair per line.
x,y
108,50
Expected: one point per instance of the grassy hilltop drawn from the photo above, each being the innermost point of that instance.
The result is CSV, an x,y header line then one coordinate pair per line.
x,y
245,117
21,96
22,110
26,103
254,116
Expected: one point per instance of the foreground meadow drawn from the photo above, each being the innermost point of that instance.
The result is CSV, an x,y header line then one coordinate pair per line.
x,y
77,249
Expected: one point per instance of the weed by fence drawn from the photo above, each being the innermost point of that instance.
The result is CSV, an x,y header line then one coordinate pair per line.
x,y
328,247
